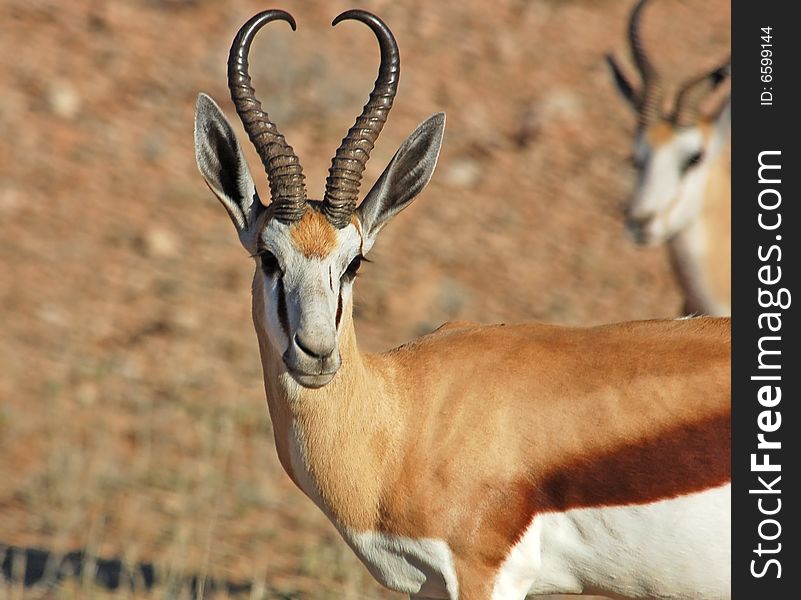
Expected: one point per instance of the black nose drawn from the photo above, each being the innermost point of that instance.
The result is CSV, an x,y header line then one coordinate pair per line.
x,y
633,223
636,228
312,349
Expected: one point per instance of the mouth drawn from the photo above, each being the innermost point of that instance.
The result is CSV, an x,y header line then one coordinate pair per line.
x,y
310,380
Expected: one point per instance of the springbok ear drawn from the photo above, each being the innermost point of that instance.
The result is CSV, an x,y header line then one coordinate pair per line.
x,y
720,117
405,176
709,86
223,166
624,85
722,112
717,76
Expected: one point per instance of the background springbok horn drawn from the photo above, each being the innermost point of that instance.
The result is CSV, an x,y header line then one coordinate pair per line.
x,y
651,91
347,167
284,172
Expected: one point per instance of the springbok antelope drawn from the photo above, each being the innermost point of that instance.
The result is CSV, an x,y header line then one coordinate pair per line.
x,y
682,195
477,462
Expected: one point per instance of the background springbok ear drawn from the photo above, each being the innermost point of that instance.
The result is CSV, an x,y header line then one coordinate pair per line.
x,y
697,92
624,85
721,113
406,175
223,166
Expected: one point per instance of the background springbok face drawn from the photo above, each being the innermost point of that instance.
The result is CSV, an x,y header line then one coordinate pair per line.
x,y
672,163
673,151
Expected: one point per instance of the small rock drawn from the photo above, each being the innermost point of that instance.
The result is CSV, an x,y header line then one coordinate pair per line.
x,y
161,243
562,104
9,200
63,99
187,319
529,125
87,393
53,314
462,173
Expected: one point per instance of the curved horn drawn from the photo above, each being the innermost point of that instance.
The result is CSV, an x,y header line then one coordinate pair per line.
x,y
693,92
284,172
347,167
651,93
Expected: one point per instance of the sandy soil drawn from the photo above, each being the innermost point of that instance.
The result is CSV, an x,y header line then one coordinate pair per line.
x,y
132,414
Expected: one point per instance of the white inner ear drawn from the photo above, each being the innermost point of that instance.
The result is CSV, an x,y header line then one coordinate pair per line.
x,y
365,242
214,138
245,184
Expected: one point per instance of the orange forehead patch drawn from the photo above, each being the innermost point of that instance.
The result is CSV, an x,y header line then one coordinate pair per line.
x,y
313,235
659,133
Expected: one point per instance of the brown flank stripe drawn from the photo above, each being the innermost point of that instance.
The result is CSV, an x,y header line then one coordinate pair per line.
x,y
691,458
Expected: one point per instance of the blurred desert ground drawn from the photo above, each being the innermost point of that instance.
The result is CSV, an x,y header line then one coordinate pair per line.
x,y
133,423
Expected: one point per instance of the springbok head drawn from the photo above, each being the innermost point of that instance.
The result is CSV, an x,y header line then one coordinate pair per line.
x,y
308,251
672,148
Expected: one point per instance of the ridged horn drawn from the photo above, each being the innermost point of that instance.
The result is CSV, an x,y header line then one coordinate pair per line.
x,y
695,90
347,167
651,92
287,188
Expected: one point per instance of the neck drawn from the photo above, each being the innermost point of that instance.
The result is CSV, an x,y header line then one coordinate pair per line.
x,y
335,442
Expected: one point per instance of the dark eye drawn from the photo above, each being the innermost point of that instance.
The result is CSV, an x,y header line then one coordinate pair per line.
x,y
269,264
693,160
353,267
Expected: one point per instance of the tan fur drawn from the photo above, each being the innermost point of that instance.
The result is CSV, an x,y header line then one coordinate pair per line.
x,y
463,435
276,400
716,217
313,235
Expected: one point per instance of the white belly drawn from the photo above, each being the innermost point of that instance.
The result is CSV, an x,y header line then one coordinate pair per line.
x,y
678,548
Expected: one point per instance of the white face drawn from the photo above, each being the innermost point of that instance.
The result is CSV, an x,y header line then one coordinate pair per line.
x,y
305,271
307,286
671,164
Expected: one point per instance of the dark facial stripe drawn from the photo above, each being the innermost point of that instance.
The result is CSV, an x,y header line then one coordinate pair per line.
x,y
283,317
339,306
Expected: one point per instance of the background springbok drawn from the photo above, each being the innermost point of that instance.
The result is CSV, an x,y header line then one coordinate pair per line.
x,y
476,462
682,195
